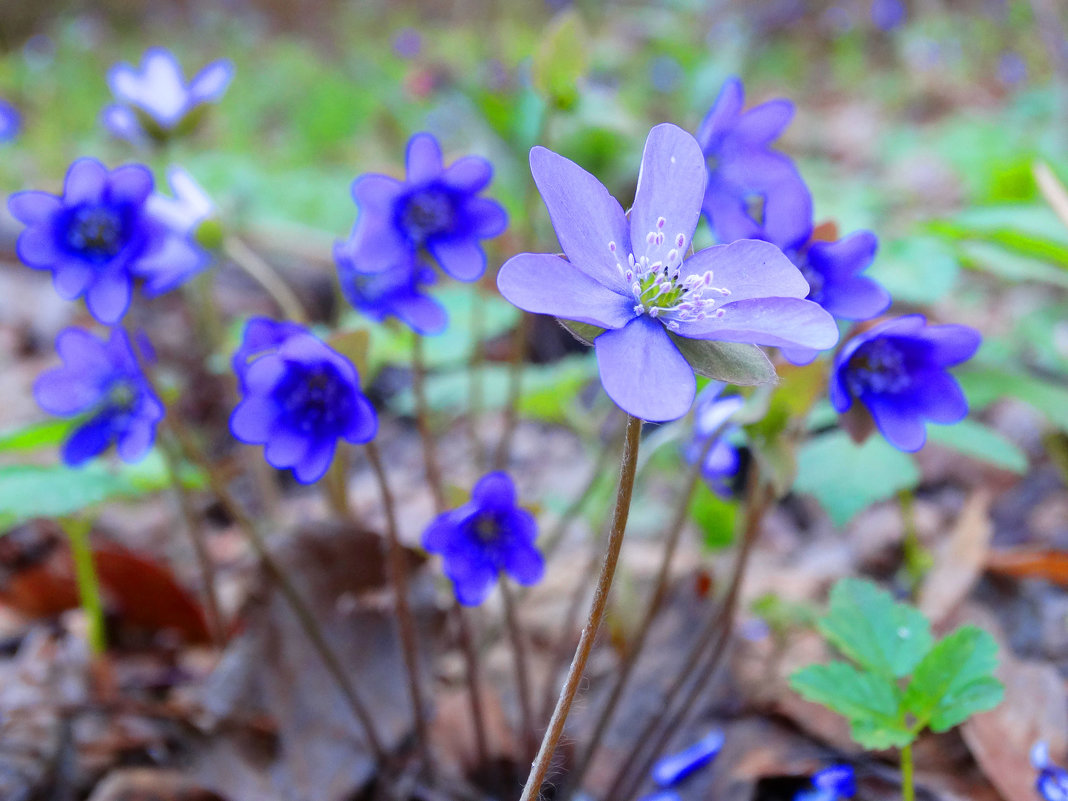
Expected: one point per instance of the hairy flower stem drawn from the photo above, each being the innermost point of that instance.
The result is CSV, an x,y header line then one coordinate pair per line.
x,y
656,600
172,461
515,387
405,619
266,276
701,661
77,531
422,422
522,674
474,682
628,466
908,790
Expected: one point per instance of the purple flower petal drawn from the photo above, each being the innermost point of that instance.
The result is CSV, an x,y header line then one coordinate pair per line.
x,y
524,564
953,343
423,160
469,174
171,264
422,314
36,247
263,375
254,419
65,392
130,184
134,443
285,448
759,126
487,217
88,440
667,203
315,462
726,107
364,424
585,217
898,421
109,296
494,491
460,257
86,182
749,268
121,122
32,207
211,82
643,372
940,397
779,322
71,278
546,284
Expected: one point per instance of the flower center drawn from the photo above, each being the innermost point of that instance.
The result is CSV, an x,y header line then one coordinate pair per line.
x,y
814,277
97,232
877,367
427,212
659,288
486,528
315,399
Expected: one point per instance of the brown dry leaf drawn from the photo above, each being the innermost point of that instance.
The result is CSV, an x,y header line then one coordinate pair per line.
x,y
959,559
1035,708
1030,563
317,749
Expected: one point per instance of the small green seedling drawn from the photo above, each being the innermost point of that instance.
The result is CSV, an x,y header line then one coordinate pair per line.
x,y
902,681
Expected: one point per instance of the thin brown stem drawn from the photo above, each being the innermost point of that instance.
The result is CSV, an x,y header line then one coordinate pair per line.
x,y
405,618
522,674
532,788
335,486
474,683
193,527
474,382
267,277
422,422
702,659
515,387
656,601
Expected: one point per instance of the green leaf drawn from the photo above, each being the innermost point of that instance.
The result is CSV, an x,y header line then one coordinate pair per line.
x,y
35,436
732,362
845,477
866,624
583,332
918,270
714,516
870,703
1009,265
984,385
561,60
954,680
976,440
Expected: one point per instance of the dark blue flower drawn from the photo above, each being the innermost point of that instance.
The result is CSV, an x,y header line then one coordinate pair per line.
x,y
898,371
436,209
10,121
831,784
711,416
633,277
103,381
1052,781
888,14
753,191
394,292
486,535
155,101
99,236
299,397
675,767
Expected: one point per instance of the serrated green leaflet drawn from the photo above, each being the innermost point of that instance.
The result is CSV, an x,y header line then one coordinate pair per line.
x,y
871,703
955,679
870,627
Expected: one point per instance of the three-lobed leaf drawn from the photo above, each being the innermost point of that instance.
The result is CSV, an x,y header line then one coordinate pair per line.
x,y
870,702
954,680
866,624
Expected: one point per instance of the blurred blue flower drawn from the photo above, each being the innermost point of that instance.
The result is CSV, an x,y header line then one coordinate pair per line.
x,y
98,237
711,416
1012,69
103,381
395,292
888,14
1052,781
675,767
10,121
408,43
898,371
633,277
436,209
485,536
299,397
753,191
831,784
155,101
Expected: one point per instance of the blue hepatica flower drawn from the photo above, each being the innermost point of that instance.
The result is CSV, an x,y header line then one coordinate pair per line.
x,y
898,371
395,292
299,397
10,121
711,416
436,209
99,236
103,381
156,101
1052,781
753,191
486,535
831,784
633,278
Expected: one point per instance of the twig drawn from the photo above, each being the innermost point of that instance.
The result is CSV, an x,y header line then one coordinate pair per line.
x,y
522,676
600,601
267,277
474,683
1052,189
515,386
422,422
